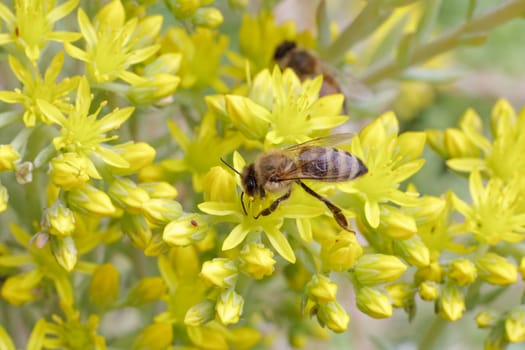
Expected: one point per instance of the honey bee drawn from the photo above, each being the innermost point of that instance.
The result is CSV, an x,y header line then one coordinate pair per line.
x,y
276,171
307,65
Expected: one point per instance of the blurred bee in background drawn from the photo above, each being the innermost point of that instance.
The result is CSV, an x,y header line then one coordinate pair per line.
x,y
276,171
307,65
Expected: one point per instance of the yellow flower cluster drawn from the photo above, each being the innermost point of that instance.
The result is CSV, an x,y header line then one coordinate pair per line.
x,y
132,186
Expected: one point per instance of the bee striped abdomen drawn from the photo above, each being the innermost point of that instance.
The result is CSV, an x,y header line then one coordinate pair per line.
x,y
330,164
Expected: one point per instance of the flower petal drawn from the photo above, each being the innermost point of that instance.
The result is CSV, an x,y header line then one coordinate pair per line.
x,y
280,243
235,237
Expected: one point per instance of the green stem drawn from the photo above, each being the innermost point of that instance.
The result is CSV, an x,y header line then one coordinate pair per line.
x,y
433,333
505,12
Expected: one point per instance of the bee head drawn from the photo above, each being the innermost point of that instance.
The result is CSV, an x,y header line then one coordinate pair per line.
x,y
283,49
249,180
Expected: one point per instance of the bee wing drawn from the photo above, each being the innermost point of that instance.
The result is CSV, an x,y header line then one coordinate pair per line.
x,y
325,141
351,87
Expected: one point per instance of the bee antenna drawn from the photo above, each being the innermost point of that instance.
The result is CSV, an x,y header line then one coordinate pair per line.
x,y
231,167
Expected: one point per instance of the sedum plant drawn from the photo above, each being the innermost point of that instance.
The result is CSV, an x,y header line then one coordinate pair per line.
x,y
120,226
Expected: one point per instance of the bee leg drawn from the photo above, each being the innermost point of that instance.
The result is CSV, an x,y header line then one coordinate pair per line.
x,y
242,203
336,211
274,205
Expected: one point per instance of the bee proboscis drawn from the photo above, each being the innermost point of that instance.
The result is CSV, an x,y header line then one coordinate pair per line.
x,y
276,171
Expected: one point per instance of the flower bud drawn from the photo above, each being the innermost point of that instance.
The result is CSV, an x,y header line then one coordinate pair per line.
x,y
374,269
137,154
496,269
432,272
156,336
373,303
22,288
458,145
401,294
128,195
146,290
71,170
341,252
413,250
104,286
243,113
8,157
428,290
229,307
4,198
486,319
186,230
321,290
183,9
397,225
58,220
257,260
333,316
515,326
221,272
137,229
160,211
202,337
462,271
90,199
200,314
521,268
65,252
24,173
159,189
156,246
208,17
451,303
220,185
238,4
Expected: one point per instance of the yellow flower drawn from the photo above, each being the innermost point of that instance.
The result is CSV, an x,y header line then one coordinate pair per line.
x,y
113,45
8,157
390,159
21,289
5,340
284,109
81,131
199,157
36,87
496,213
201,51
104,286
31,26
401,294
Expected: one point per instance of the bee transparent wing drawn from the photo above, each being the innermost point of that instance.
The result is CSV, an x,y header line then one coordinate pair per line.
x,y
325,141
351,87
